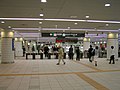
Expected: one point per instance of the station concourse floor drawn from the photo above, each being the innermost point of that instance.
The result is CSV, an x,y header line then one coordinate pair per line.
x,y
46,75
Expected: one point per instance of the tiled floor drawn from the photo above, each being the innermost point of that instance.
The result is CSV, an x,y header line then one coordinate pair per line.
x,y
46,75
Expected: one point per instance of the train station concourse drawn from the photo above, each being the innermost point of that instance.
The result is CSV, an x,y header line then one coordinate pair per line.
x,y
59,45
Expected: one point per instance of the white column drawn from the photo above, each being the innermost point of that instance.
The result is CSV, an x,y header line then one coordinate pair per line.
x,y
86,43
112,40
7,53
18,47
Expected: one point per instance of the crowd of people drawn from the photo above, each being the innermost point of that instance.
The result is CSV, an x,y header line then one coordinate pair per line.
x,y
92,53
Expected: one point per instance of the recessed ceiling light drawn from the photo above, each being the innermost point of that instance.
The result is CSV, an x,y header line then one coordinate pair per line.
x,y
40,22
75,23
68,27
9,26
107,24
2,22
55,34
104,42
107,5
63,34
87,16
43,0
73,16
41,14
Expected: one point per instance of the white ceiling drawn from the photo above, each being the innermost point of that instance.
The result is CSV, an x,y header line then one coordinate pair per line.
x,y
60,9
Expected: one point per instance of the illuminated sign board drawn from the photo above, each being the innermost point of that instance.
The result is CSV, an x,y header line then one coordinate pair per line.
x,y
63,34
59,40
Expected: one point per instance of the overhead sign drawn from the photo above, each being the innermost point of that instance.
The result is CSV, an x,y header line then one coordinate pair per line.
x,y
63,34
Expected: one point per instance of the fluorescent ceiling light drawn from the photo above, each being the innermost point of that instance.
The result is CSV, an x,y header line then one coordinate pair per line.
x,y
100,21
43,0
65,20
22,19
65,29
71,20
108,30
107,5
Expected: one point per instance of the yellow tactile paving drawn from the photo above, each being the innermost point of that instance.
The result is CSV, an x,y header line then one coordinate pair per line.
x,y
92,82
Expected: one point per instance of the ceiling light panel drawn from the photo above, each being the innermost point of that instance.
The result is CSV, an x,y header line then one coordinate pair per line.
x,y
40,22
2,22
87,16
107,5
9,26
41,14
75,23
43,1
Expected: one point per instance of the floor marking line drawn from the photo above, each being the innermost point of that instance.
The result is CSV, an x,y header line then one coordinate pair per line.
x,y
57,73
92,82
35,74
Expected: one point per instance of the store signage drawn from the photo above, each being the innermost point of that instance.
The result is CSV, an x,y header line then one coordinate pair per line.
x,y
59,40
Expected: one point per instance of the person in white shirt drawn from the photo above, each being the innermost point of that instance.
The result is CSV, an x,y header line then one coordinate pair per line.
x,y
112,58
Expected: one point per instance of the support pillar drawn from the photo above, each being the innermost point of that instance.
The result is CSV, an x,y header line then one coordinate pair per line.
x,y
86,43
18,47
7,46
112,40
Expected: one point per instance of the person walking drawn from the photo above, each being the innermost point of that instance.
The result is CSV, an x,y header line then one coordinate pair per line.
x,y
33,49
46,51
70,53
60,55
92,54
112,58
77,54
23,51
